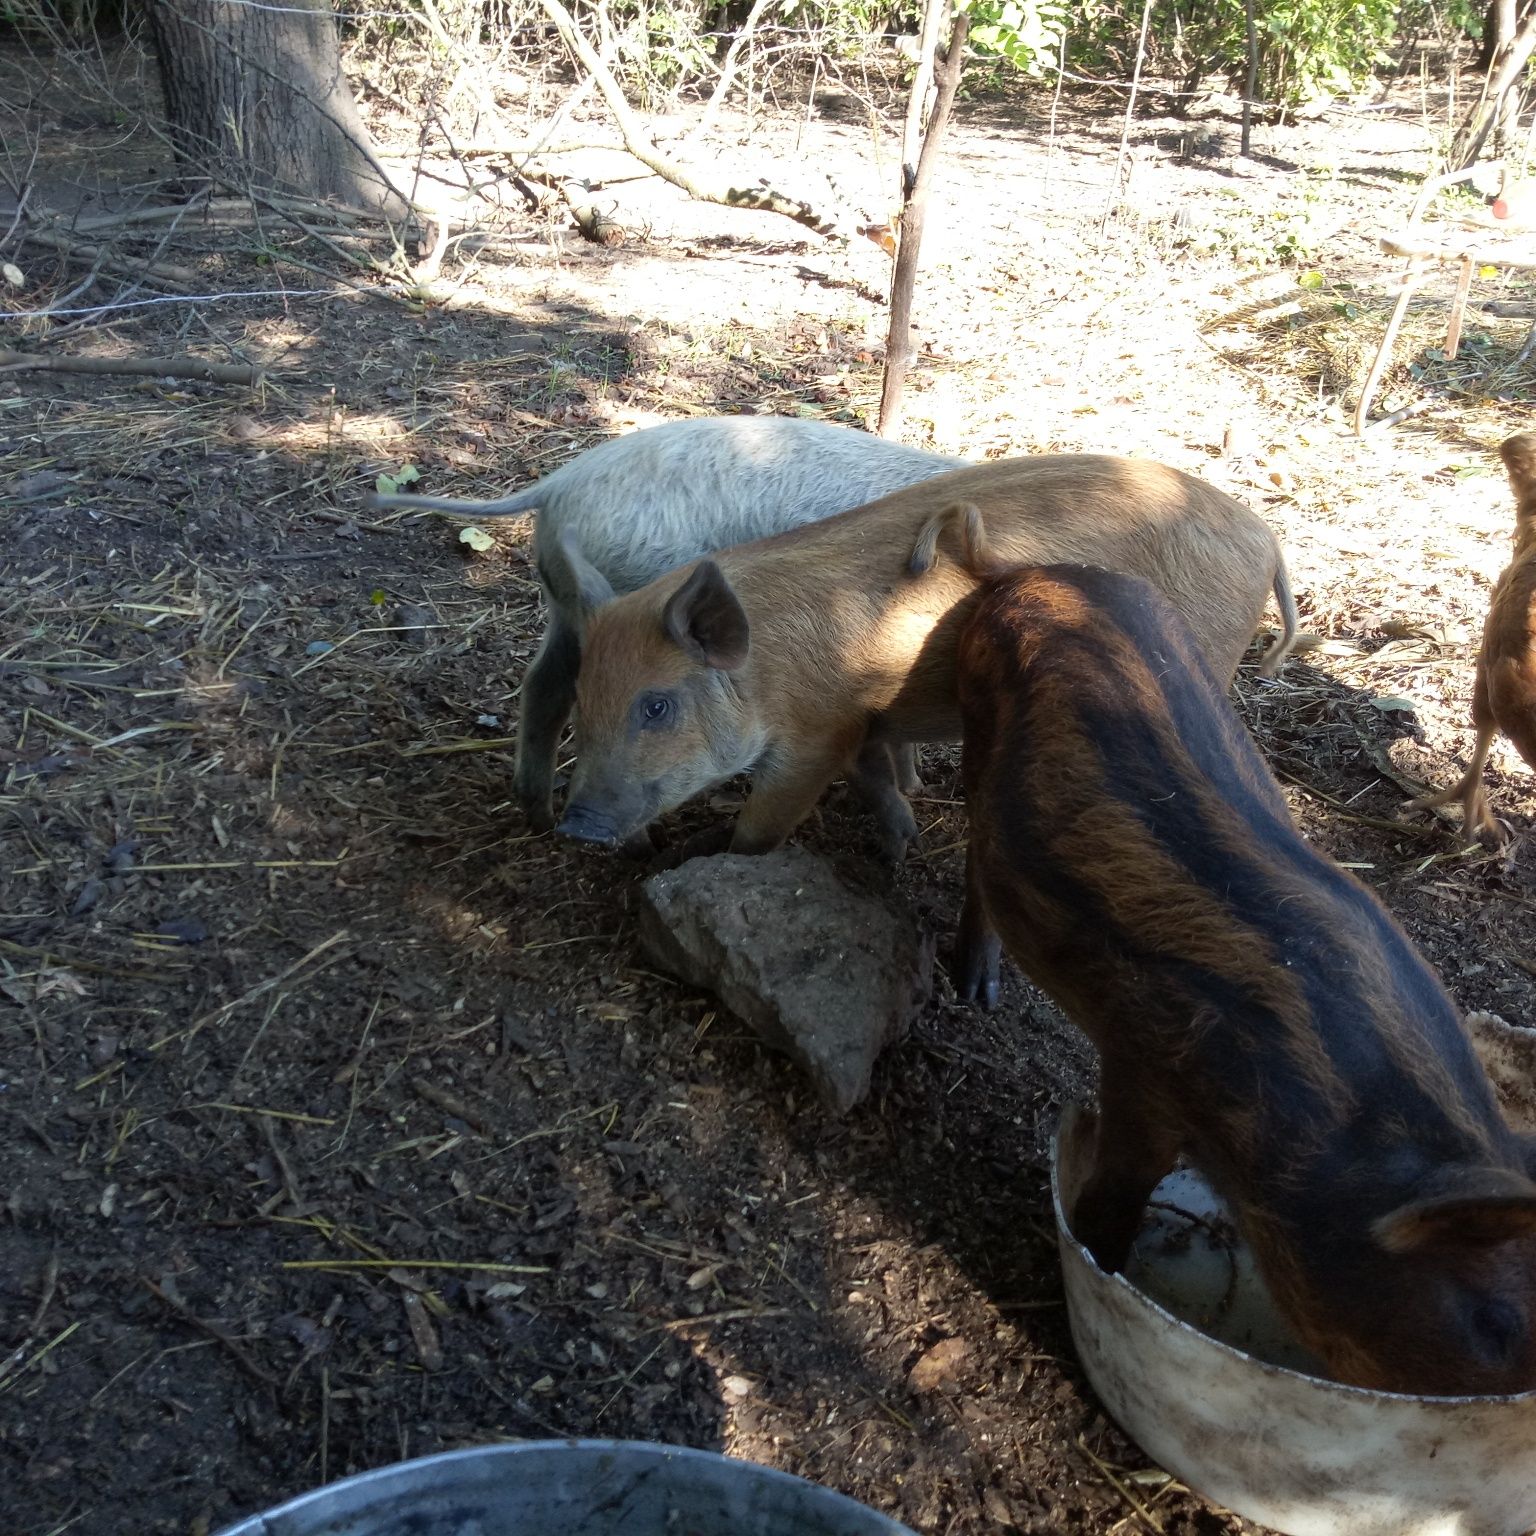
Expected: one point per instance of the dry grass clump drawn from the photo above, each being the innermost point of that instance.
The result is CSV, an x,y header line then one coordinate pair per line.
x,y
1332,335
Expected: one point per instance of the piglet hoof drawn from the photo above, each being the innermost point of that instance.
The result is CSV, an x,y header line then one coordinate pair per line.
x,y
975,981
895,828
638,845
978,961
702,844
538,808
983,991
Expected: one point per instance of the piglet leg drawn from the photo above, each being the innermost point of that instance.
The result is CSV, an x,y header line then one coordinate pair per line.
x,y
1129,1157
978,950
908,780
876,775
784,792
548,695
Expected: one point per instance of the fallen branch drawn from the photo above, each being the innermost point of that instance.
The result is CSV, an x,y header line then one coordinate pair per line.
x,y
209,210
525,148
74,250
762,198
595,225
156,367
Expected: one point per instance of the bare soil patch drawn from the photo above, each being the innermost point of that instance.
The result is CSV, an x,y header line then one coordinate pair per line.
x,y
341,1122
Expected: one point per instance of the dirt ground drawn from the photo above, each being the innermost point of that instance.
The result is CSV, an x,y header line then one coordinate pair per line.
x,y
340,1120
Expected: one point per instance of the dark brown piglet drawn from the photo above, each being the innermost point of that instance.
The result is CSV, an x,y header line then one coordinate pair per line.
x,y
1504,688
1254,1006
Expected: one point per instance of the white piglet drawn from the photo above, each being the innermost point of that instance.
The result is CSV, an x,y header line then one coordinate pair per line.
x,y
641,505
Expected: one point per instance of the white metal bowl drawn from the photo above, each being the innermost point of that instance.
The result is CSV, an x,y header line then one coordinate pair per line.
x,y
1207,1380
572,1488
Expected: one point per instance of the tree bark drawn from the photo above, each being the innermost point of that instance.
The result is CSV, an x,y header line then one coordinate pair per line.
x,y
1499,23
898,345
1508,67
917,100
256,100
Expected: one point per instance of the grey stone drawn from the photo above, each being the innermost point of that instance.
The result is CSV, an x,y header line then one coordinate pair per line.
x,y
822,973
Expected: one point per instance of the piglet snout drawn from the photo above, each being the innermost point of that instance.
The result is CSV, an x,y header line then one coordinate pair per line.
x,y
587,825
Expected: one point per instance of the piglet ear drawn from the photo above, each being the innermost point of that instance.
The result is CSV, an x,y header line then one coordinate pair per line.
x,y
1486,1207
569,574
704,617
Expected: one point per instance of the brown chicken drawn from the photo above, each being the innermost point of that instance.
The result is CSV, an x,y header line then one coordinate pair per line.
x,y
1504,690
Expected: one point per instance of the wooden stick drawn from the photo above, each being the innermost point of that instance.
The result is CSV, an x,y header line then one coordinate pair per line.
x,y
1411,280
1458,309
1395,246
204,209
1117,183
156,367
222,1336
917,100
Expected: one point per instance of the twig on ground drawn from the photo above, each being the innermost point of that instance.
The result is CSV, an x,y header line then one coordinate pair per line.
x,y
213,1331
154,367
448,1103
1381,823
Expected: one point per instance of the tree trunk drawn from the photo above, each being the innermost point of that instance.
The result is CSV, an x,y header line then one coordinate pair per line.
x,y
1509,65
898,344
257,101
1499,23
1251,90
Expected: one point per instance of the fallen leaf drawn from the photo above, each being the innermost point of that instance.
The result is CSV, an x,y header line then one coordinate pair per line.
x,y
937,1367
388,484
423,1334
63,982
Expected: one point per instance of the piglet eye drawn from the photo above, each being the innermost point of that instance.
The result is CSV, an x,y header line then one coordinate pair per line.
x,y
656,709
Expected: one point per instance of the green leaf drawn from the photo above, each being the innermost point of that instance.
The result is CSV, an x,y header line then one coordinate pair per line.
x,y
378,597
477,539
387,484
1311,281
